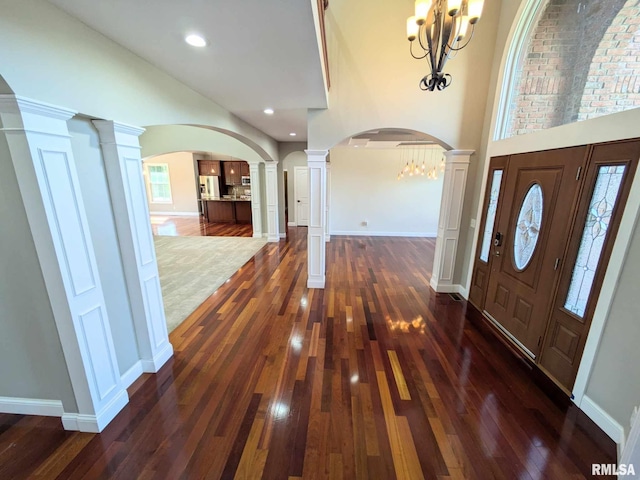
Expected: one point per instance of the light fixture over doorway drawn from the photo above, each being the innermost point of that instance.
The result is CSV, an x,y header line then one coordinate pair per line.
x,y
442,28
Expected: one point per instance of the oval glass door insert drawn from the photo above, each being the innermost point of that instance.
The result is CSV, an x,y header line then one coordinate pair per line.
x,y
528,227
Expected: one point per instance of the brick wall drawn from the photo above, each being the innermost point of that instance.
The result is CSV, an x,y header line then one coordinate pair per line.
x,y
613,81
557,68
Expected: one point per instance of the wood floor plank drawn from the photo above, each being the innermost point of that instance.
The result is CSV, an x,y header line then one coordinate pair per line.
x,y
375,376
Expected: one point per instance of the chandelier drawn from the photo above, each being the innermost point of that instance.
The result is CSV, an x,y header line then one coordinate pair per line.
x,y
414,153
442,27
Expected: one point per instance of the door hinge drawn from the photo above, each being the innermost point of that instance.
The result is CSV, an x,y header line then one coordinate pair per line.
x,y
539,340
555,267
578,174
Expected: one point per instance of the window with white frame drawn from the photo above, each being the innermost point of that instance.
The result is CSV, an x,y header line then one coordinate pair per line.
x,y
159,182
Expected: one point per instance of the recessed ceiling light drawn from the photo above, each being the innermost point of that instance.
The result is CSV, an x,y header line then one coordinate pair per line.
x,y
292,134
268,111
195,40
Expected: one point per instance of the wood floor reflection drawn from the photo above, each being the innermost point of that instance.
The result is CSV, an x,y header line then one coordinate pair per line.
x,y
373,377
185,226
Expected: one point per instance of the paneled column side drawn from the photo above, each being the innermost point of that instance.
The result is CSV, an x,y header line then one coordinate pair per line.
x,y
455,181
40,147
327,234
316,248
123,164
271,185
256,195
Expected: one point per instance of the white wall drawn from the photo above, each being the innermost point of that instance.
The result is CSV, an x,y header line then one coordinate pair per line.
x,y
364,186
47,55
85,143
32,364
182,175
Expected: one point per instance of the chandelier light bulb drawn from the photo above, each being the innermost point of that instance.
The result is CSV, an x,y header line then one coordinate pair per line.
x,y
412,28
423,166
475,10
442,166
453,7
422,10
406,167
464,26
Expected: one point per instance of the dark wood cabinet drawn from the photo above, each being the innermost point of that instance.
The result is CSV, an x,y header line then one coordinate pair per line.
x,y
234,171
209,167
243,212
227,211
231,173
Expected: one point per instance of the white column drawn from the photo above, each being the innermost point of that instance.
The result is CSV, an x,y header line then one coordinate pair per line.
x,y
256,207
40,147
123,164
327,235
455,181
271,184
316,248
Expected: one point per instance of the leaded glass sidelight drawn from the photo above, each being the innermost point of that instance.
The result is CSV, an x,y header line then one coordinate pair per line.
x,y
490,221
603,201
527,229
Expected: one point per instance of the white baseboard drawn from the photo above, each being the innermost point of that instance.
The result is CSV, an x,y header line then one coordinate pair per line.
x,y
603,420
449,288
273,238
31,406
631,452
132,374
95,423
160,358
283,235
292,224
177,214
316,282
327,238
364,233
258,235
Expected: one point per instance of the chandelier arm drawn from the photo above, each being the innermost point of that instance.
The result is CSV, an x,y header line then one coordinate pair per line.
x,y
447,29
414,56
457,49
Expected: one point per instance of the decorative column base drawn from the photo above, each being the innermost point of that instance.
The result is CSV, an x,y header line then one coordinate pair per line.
x,y
455,181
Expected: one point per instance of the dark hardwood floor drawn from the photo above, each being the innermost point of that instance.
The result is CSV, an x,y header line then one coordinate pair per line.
x,y
182,226
374,377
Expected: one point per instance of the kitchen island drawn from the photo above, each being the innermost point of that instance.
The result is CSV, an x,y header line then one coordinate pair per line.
x,y
227,210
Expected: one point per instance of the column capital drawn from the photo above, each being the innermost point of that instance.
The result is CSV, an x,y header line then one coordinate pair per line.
x,y
318,154
112,132
24,114
458,156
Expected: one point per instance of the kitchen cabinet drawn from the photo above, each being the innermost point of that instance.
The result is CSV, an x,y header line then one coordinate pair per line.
x,y
244,169
243,212
232,173
209,167
227,211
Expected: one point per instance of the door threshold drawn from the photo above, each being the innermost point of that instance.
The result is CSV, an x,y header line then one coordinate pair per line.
x,y
510,336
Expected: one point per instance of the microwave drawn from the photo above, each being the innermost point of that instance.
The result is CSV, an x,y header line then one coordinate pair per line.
x,y
245,180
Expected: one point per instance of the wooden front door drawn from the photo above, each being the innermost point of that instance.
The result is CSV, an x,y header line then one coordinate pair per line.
x,y
540,194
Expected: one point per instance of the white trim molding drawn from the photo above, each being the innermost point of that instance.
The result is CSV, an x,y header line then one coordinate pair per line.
x,y
363,233
601,418
316,242
95,423
631,447
123,164
40,147
292,224
455,181
132,374
327,234
31,406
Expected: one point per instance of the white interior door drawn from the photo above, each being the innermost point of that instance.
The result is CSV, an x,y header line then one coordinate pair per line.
x,y
301,192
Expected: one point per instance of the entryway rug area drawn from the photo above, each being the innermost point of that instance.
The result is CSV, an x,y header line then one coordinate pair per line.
x,y
192,268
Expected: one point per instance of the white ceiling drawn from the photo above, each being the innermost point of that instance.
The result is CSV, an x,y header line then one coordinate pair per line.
x,y
260,53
